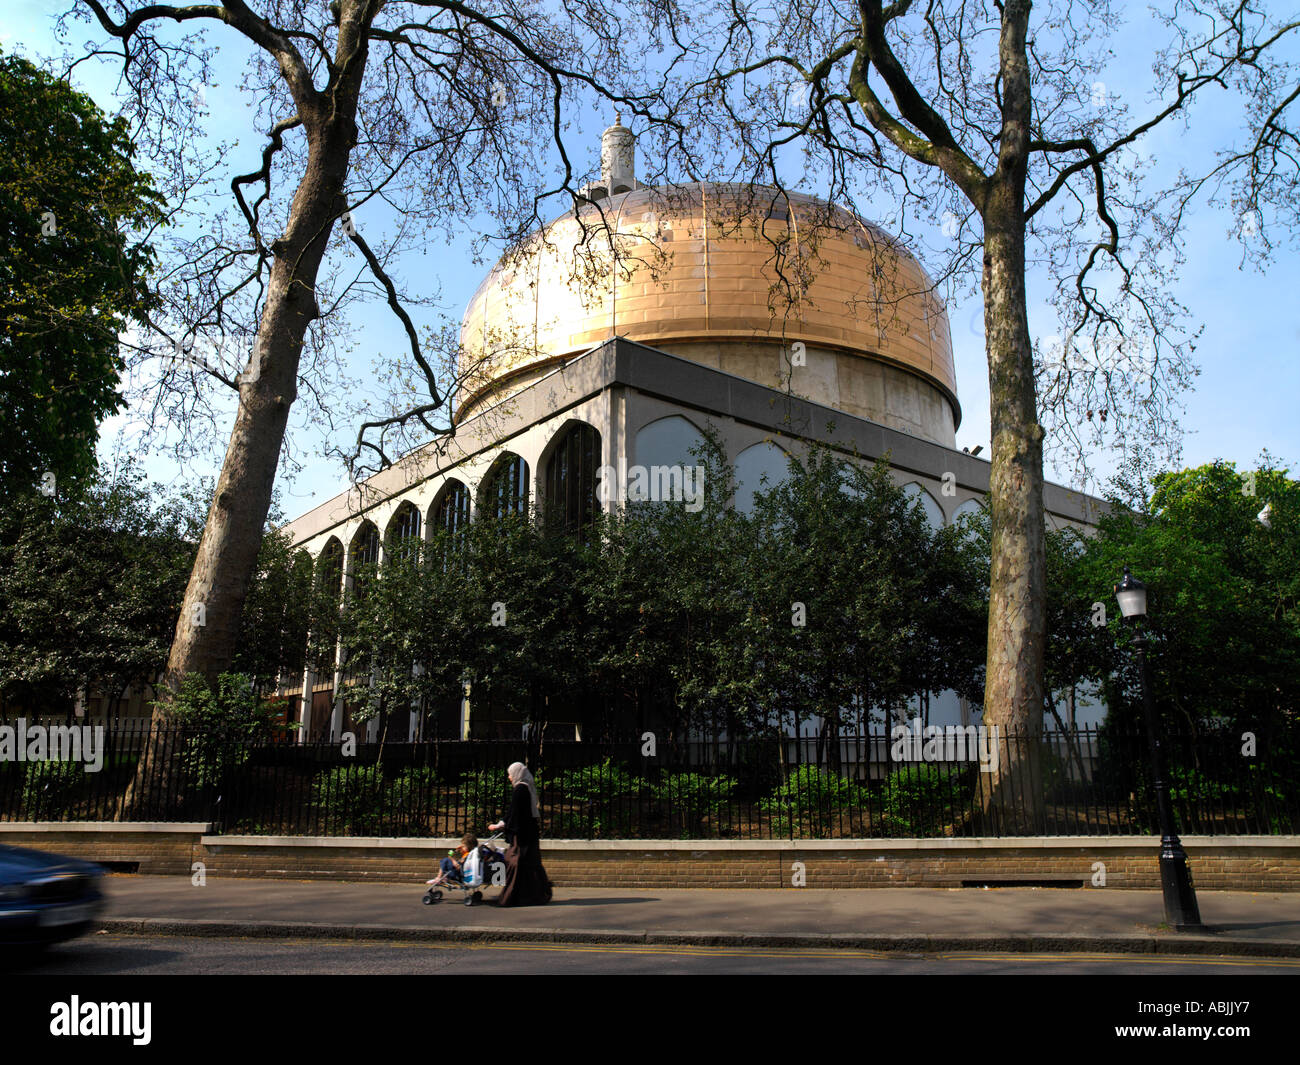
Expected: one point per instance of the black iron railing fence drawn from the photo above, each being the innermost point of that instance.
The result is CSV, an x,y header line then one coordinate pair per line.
x,y
961,783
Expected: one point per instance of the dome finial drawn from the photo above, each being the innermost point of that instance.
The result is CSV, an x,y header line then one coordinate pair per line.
x,y
617,158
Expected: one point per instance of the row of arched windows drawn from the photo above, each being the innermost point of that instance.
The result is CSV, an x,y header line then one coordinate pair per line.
x,y
571,473
569,484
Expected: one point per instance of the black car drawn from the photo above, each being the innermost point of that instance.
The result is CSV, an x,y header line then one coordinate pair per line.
x,y
45,898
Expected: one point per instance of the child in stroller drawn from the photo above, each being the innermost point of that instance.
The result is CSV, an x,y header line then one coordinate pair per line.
x,y
468,868
453,865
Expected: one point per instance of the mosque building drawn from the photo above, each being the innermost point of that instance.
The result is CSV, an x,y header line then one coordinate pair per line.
x,y
770,318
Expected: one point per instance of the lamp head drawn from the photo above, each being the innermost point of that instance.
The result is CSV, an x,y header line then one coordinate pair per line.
x,y
1132,596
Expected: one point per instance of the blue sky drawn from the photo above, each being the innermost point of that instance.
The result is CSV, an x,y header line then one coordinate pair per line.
x,y
1244,399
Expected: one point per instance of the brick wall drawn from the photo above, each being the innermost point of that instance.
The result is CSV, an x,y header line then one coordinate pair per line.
x,y
1226,863
413,863
156,849
1213,868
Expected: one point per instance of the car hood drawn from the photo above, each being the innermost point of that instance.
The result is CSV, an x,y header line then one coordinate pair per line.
x,y
18,864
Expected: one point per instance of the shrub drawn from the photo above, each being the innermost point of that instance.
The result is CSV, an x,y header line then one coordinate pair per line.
x,y
813,801
593,802
353,798
1200,801
691,798
221,724
925,796
409,799
760,764
484,796
49,788
413,786
1192,785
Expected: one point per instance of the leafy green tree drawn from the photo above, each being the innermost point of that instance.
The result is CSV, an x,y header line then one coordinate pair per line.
x,y
1223,597
530,622
828,611
636,643
91,583
947,649
221,723
448,625
273,628
75,219
324,607
667,590
500,604
379,630
90,587
853,602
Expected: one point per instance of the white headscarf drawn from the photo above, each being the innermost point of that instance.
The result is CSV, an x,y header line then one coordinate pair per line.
x,y
518,774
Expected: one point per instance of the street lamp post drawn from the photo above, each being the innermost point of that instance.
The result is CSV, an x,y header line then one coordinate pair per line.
x,y
1181,911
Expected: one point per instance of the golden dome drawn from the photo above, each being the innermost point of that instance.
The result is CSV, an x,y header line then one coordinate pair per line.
x,y
732,276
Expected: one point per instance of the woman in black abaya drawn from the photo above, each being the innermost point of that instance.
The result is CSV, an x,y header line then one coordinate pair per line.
x,y
526,880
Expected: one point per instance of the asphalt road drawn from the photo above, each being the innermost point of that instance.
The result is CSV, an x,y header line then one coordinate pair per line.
x,y
105,954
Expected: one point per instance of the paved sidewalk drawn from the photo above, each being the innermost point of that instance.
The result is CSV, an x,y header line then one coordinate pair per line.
x,y
904,919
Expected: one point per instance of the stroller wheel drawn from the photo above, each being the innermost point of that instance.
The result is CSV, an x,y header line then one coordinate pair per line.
x,y
475,897
430,897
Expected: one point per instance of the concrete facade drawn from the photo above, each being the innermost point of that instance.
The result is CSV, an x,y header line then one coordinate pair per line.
x,y
628,392
621,387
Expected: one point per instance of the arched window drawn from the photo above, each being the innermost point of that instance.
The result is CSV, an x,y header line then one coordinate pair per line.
x,y
450,511
403,538
364,554
759,468
505,489
968,513
667,442
571,471
933,512
328,589
329,569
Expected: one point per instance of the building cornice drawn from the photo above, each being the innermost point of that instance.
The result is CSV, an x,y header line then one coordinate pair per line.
x,y
687,384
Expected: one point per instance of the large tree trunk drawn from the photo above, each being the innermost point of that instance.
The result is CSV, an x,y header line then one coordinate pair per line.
x,y
1017,607
214,598
1017,597
233,534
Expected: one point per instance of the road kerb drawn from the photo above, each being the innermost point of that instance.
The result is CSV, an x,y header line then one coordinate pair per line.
x,y
909,943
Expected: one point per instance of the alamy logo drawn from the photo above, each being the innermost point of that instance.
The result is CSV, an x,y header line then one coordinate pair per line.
x,y
53,743
952,743
102,1018
655,483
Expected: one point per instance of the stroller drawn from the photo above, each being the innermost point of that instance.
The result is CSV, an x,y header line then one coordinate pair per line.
x,y
480,869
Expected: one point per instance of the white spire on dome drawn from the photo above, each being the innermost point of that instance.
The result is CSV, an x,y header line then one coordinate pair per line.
x,y
618,158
